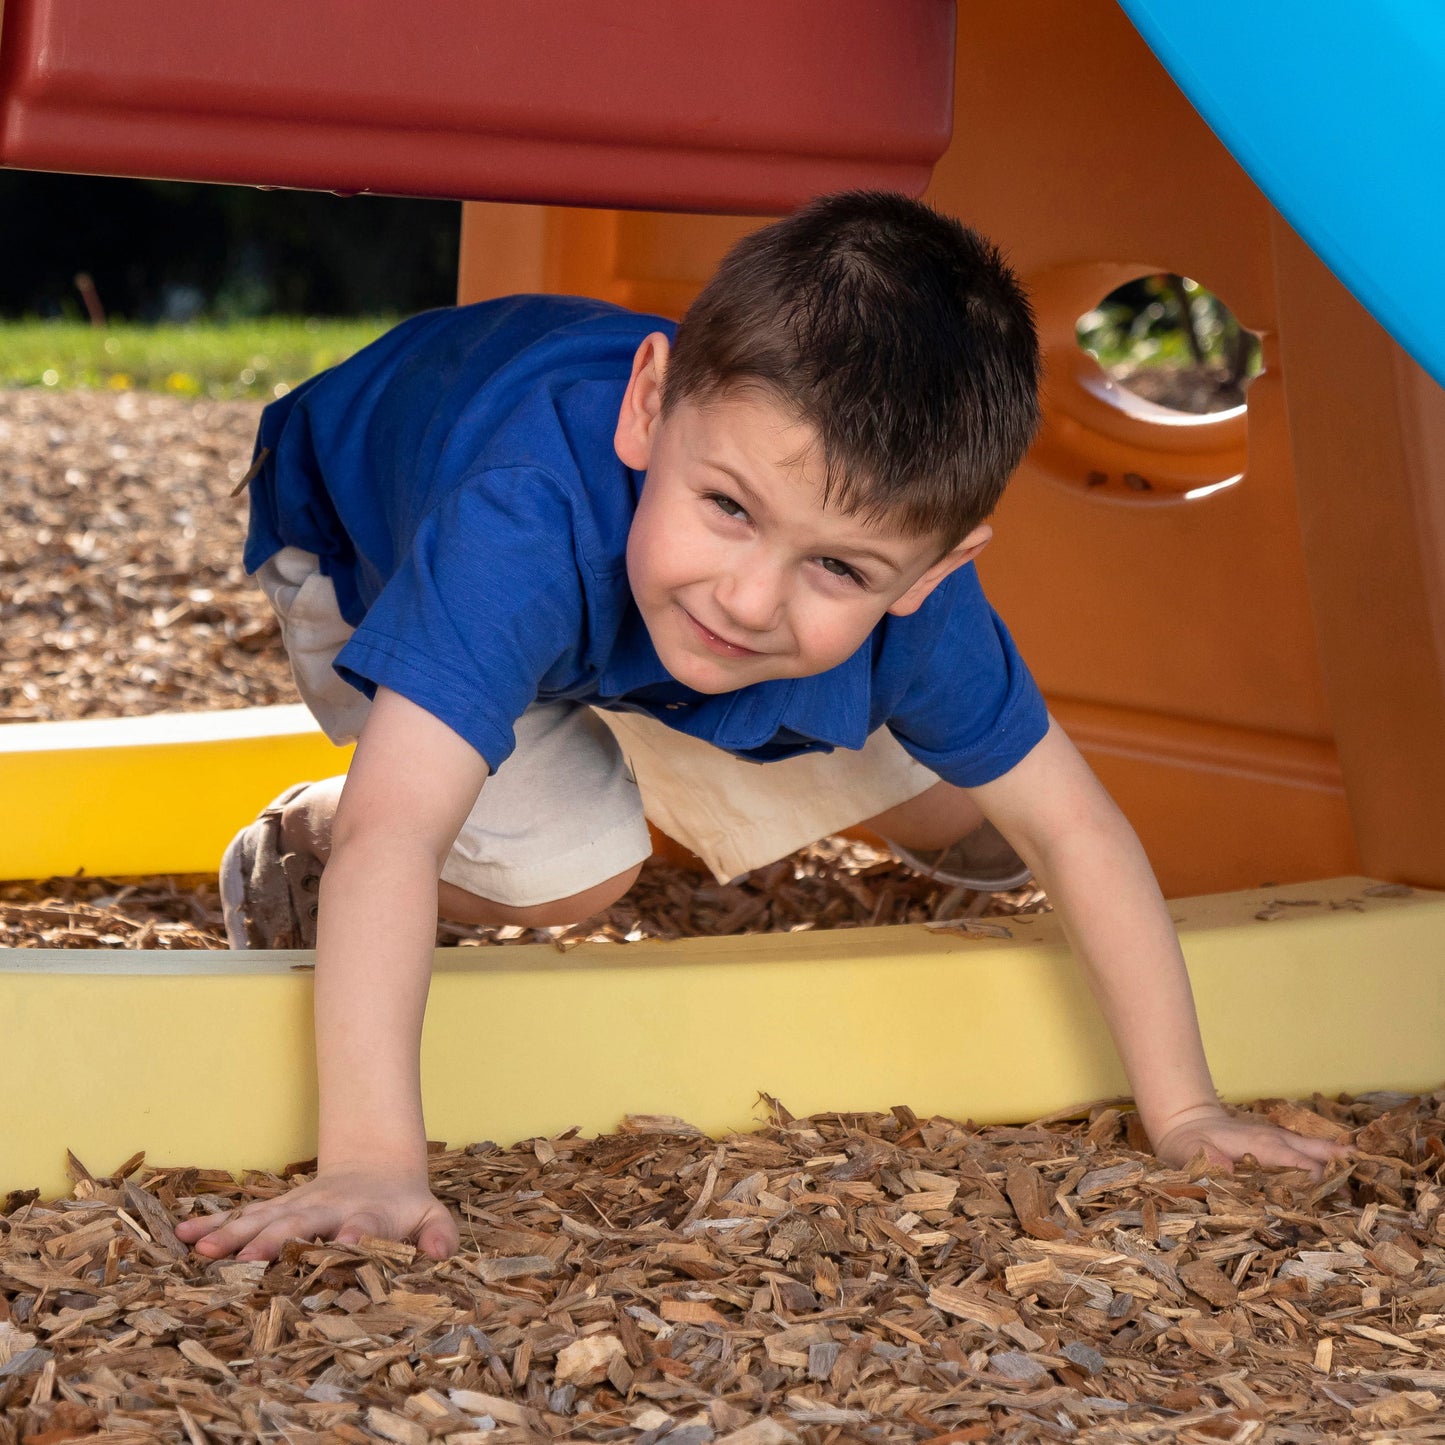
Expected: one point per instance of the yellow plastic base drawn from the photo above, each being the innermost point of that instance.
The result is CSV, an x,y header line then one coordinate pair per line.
x,y
207,1059
160,794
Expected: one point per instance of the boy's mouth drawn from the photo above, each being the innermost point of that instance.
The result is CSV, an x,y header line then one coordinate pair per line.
x,y
713,642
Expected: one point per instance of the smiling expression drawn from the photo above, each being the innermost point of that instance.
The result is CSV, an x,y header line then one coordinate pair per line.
x,y
740,572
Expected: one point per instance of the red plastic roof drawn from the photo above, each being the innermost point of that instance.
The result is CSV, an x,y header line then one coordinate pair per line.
x,y
749,105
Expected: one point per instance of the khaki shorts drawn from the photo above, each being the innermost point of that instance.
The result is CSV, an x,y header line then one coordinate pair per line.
x,y
569,808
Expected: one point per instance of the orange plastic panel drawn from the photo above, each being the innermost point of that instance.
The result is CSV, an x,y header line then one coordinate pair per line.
x,y
682,104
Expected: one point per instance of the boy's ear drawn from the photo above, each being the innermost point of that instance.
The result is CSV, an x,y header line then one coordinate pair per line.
x,y
951,560
641,403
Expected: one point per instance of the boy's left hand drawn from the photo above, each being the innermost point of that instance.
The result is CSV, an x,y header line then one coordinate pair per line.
x,y
1225,1140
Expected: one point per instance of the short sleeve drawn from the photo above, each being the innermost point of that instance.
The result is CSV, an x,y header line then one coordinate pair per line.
x,y
486,602
971,710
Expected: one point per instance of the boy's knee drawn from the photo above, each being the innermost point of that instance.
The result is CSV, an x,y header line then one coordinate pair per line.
x,y
936,818
460,906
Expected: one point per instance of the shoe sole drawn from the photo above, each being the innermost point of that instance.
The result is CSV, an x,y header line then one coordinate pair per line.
x,y
977,883
234,872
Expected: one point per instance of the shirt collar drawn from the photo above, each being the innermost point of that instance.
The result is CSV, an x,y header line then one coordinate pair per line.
x,y
632,662
829,707
833,707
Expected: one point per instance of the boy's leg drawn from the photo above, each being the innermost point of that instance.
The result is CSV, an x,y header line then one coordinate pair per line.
x,y
268,886
935,819
306,823
941,832
556,836
737,815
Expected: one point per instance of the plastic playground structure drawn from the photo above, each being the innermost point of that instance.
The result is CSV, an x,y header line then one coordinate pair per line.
x,y
1257,671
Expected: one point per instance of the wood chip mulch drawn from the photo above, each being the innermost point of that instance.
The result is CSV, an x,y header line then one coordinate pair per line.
x,y
872,1277
121,586
837,883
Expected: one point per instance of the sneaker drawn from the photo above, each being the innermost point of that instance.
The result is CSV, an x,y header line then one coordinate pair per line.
x,y
269,894
983,861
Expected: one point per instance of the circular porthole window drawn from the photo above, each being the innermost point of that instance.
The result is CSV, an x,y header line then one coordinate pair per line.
x,y
1172,342
1147,380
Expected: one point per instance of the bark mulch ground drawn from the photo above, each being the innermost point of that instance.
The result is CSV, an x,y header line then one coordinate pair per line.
x,y
873,1277
121,587
837,883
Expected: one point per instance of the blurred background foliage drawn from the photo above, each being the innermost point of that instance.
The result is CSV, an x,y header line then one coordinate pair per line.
x,y
263,357
163,251
1174,342
220,291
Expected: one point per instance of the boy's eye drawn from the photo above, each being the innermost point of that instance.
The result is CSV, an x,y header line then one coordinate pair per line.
x,y
726,505
840,569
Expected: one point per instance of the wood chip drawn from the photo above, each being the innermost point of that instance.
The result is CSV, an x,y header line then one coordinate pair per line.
x,y
1304,1121
972,1305
587,1361
391,1426
760,1432
1207,1279
1107,1181
1025,1189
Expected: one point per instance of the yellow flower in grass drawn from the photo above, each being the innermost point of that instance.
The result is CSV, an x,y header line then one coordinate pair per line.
x,y
183,384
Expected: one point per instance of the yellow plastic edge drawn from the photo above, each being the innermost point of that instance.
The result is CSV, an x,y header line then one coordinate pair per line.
x,y
159,794
207,1058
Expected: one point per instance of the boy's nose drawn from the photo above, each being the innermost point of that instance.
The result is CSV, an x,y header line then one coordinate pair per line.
x,y
752,598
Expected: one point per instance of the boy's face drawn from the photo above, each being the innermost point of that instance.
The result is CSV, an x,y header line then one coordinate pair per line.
x,y
740,573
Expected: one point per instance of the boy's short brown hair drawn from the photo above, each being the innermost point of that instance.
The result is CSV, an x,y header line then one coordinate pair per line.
x,y
897,333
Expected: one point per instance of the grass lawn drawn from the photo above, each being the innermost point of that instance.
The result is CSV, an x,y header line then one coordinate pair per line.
x,y
215,359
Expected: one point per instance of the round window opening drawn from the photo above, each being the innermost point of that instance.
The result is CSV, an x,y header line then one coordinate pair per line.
x,y
1146,391
1172,343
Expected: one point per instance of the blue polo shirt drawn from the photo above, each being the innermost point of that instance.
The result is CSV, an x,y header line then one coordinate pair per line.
x,y
457,480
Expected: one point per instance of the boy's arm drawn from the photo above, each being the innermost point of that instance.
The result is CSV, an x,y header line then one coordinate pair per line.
x,y
1064,825
410,787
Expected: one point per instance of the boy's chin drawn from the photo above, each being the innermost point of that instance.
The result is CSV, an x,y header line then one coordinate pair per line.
x,y
705,679
709,677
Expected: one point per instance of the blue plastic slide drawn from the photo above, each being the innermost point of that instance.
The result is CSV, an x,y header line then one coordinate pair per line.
x,y
1336,108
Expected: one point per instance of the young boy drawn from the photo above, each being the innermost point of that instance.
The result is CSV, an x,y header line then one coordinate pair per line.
x,y
745,540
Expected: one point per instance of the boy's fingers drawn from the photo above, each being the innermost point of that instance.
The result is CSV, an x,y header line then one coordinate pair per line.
x,y
307,1224
238,1231
266,1245
358,1226
190,1230
438,1237
259,1230
225,1234
1294,1153
1317,1152
435,1245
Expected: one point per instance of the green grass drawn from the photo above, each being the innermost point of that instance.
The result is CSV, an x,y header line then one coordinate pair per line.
x,y
214,359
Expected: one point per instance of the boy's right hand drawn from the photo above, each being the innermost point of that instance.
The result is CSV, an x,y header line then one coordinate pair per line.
x,y
344,1203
